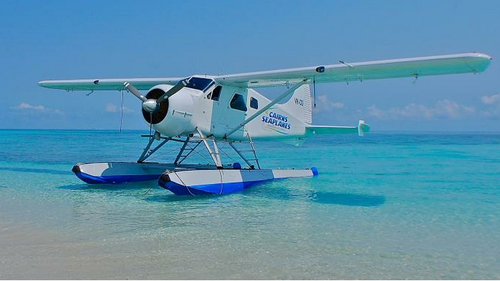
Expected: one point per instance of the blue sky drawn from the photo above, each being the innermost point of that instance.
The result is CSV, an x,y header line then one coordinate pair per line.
x,y
105,39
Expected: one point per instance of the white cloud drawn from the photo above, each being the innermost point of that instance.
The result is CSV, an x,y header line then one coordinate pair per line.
x,y
451,109
29,106
376,112
492,106
36,108
324,104
112,108
442,109
489,100
337,105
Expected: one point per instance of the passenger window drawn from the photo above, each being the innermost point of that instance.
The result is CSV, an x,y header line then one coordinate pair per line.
x,y
238,102
254,103
216,93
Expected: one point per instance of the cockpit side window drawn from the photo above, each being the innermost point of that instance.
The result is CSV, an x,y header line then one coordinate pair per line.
x,y
216,93
238,102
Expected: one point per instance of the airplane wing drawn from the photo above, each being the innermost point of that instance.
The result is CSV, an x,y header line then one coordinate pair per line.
x,y
342,72
106,84
345,72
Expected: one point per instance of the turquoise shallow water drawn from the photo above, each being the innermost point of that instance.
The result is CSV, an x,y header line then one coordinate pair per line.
x,y
388,205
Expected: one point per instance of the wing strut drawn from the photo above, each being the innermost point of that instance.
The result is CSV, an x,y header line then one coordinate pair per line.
x,y
276,100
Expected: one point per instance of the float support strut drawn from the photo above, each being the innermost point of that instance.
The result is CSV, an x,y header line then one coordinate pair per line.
x,y
215,157
147,153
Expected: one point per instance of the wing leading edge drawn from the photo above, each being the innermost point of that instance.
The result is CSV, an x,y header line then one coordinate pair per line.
x,y
345,72
106,84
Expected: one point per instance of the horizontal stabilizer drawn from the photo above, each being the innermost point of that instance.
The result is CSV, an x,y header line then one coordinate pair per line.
x,y
323,130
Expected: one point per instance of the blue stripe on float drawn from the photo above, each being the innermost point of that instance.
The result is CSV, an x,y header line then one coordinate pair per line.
x,y
179,189
114,179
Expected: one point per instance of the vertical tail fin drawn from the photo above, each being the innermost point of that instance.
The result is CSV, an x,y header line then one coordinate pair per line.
x,y
300,104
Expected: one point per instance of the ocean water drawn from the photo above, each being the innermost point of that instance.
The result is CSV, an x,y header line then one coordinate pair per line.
x,y
389,205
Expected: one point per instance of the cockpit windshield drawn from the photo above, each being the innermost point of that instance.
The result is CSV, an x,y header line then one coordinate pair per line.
x,y
201,84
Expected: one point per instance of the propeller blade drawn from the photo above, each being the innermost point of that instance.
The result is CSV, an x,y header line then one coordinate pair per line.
x,y
134,91
177,87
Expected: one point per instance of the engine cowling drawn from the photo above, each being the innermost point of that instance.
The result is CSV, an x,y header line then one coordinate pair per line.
x,y
174,116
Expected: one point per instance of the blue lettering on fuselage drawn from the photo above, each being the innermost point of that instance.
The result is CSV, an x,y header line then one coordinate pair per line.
x,y
277,120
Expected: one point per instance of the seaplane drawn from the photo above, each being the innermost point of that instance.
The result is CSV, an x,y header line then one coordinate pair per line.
x,y
205,111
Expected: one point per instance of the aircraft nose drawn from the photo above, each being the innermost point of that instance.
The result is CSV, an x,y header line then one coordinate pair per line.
x,y
150,105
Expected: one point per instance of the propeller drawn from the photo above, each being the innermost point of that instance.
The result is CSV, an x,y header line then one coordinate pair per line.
x,y
177,87
134,91
152,105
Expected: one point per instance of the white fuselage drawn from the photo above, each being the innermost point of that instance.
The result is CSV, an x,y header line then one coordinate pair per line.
x,y
217,114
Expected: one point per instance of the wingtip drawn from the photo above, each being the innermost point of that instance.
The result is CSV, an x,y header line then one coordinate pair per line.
x,y
46,83
478,62
482,55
